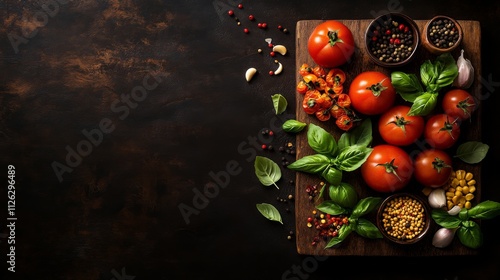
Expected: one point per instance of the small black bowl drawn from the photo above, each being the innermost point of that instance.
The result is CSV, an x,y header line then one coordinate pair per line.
x,y
391,40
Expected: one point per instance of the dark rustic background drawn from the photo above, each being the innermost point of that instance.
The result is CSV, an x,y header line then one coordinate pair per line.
x,y
139,105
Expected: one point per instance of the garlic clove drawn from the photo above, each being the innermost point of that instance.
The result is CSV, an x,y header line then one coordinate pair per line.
x,y
280,68
443,237
454,210
250,73
437,198
465,76
280,49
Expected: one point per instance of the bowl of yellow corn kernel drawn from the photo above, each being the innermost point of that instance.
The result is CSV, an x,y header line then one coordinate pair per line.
x,y
403,218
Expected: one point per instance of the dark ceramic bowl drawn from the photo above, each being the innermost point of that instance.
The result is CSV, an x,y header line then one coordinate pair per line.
x,y
398,221
391,40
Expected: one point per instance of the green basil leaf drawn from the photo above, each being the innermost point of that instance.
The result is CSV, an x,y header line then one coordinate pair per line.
x,y
270,212
447,70
293,126
470,235
344,232
279,102
365,206
320,140
427,73
329,207
472,152
313,164
367,229
332,175
360,135
423,104
352,158
442,218
485,210
343,194
406,85
268,172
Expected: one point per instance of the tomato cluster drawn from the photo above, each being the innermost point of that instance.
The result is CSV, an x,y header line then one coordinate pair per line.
x,y
324,97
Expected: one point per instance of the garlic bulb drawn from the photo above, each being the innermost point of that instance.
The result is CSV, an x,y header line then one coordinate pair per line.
x,y
437,198
443,237
465,75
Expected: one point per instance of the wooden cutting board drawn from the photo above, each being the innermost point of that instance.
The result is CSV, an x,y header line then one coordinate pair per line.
x,y
355,245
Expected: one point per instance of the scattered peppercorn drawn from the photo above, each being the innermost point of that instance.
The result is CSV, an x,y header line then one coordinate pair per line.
x,y
264,146
240,6
327,225
230,13
251,17
271,73
246,30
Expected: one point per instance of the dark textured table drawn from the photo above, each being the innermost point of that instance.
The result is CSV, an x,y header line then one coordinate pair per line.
x,y
133,132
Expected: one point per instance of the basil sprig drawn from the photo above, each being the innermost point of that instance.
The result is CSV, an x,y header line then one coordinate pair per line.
x,y
332,158
357,223
434,76
468,230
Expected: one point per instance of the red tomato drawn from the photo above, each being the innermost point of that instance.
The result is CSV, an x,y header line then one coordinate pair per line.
x,y
397,128
387,169
458,103
372,93
344,122
331,44
433,168
441,131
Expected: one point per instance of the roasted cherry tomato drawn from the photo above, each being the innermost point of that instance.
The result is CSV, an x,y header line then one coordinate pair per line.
x,y
397,128
344,122
441,131
387,169
459,103
372,93
433,168
323,115
305,69
331,44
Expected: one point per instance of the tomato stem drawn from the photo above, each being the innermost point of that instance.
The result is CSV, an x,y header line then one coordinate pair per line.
x,y
390,168
401,123
439,164
334,38
377,88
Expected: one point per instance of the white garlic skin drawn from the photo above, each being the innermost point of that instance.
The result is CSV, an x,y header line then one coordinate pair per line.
x,y
454,210
437,198
443,237
465,76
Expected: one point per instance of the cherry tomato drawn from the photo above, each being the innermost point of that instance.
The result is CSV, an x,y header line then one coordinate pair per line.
x,y
387,169
344,122
433,168
336,111
323,115
310,102
441,131
335,77
458,103
331,44
305,69
372,93
302,87
397,128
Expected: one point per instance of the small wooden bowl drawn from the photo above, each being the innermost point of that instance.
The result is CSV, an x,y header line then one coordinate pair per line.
x,y
402,240
379,22
430,46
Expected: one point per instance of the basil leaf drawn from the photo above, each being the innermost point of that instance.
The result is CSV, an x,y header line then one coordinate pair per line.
x,y
320,140
329,207
344,231
332,175
367,229
442,218
267,171
343,194
472,152
427,73
365,206
407,85
293,126
423,104
447,70
314,164
470,235
360,135
485,210
280,103
352,158
270,212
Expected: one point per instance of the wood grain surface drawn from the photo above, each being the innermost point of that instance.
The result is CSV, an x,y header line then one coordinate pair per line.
x,y
355,245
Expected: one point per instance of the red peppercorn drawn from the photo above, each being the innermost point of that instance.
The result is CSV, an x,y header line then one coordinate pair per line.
x,y
264,25
240,6
230,13
246,30
280,27
270,45
251,17
401,27
388,32
397,41
271,133
259,25
264,146
273,54
374,38
271,73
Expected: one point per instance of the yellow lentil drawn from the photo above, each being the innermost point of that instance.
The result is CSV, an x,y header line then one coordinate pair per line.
x,y
403,218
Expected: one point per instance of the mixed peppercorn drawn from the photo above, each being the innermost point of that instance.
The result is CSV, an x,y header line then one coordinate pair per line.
x,y
327,225
391,41
443,33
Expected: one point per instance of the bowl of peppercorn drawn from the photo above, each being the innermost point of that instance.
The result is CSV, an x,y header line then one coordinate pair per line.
x,y
441,34
392,39
404,218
